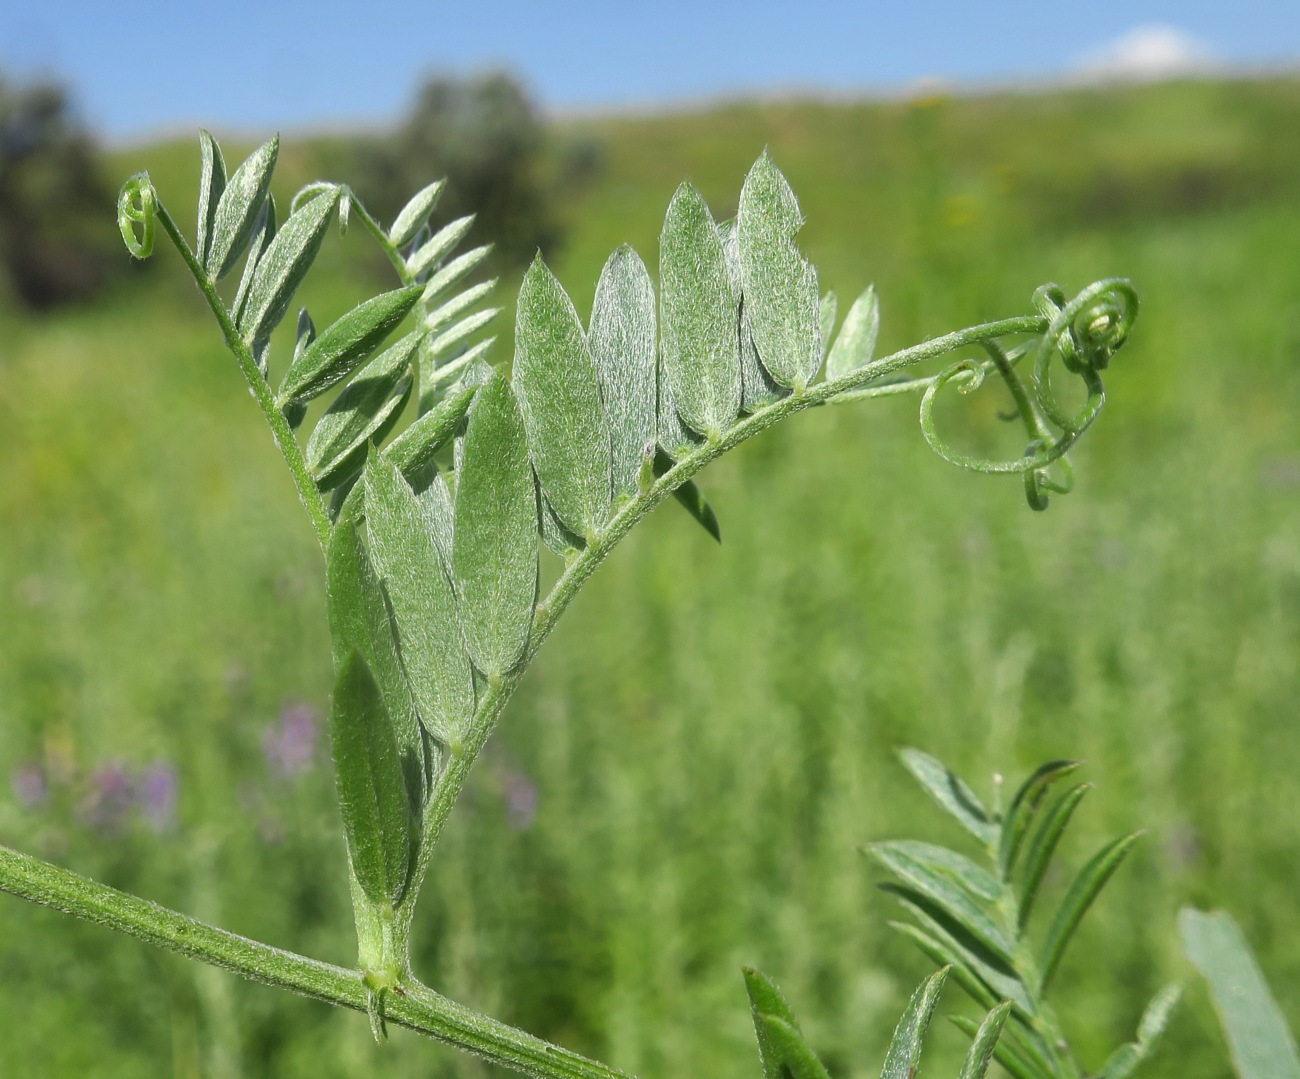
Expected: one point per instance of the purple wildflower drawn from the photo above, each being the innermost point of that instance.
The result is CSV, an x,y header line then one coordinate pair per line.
x,y
29,784
157,793
521,799
110,798
289,744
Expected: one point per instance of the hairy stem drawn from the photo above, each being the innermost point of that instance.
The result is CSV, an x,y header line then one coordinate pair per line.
x,y
416,1007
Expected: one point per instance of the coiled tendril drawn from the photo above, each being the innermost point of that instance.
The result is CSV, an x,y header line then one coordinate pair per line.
x,y
1085,333
137,205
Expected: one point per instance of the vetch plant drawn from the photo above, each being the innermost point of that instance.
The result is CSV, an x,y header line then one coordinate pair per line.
x,y
432,535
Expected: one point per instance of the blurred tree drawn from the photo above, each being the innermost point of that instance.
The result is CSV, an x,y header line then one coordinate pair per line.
x,y
57,239
487,137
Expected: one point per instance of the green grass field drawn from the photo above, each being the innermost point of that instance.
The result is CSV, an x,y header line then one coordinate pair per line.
x,y
709,735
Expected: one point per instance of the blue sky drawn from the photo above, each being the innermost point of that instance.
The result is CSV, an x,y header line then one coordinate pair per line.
x,y
143,66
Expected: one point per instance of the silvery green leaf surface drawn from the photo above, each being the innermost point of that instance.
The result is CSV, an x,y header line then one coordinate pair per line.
x,y
699,345
691,498
980,1055
236,214
623,348
442,343
494,544
1261,1043
904,1054
951,794
1085,887
378,819
423,602
304,334
212,182
555,378
457,305
1011,1058
829,309
359,412
798,1061
856,343
479,373
946,892
415,213
757,389
1024,805
438,381
766,999
431,253
435,498
778,283
263,234
281,269
415,447
675,438
973,878
360,618
1128,1058
456,269
348,342
556,537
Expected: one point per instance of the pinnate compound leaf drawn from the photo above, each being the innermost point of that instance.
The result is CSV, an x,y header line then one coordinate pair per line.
x,y
370,401
378,819
985,1043
623,349
1262,1045
698,318
778,284
555,378
1128,1058
951,793
1042,845
423,602
212,182
237,209
281,269
415,448
1085,887
766,999
263,234
1024,804
856,343
348,342
798,1061
494,545
415,213
904,1054
1010,1058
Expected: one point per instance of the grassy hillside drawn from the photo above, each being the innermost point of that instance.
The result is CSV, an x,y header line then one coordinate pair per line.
x,y
684,780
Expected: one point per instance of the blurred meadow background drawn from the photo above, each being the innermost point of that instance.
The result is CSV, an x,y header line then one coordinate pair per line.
x,y
684,780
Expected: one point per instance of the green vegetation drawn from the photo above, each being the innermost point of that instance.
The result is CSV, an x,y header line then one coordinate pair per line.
x,y
618,856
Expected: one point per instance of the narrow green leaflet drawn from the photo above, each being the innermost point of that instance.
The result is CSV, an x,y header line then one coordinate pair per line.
x,y
556,537
212,182
1262,1045
424,604
700,347
856,343
454,335
766,999
1085,887
1016,1063
1128,1058
347,343
691,498
435,499
241,200
623,348
263,234
756,386
951,793
370,401
494,545
674,437
555,378
829,309
975,879
1024,804
280,271
414,214
457,268
977,1061
1042,845
787,1045
378,820
431,253
443,316
778,283
416,447
938,952
904,1054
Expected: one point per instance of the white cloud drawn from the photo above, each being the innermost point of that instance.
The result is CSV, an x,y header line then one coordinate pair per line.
x,y
1148,53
